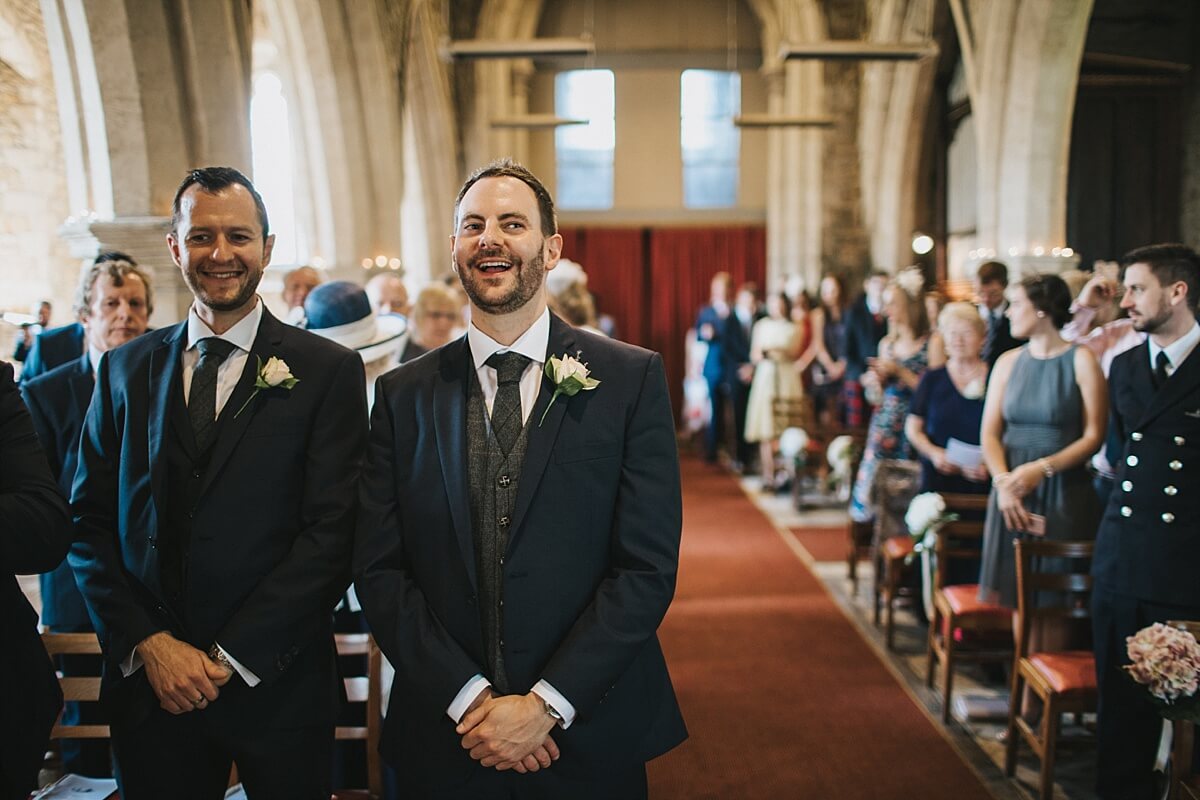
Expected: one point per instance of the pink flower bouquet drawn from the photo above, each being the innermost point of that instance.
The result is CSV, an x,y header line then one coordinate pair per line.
x,y
1166,661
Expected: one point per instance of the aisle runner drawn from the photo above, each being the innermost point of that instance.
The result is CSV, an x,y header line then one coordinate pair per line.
x,y
782,697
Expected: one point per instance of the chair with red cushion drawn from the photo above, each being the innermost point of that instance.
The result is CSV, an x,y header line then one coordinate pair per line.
x,y
963,627
1064,682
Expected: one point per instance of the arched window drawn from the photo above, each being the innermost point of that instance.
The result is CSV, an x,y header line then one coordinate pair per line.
x,y
585,152
271,148
709,100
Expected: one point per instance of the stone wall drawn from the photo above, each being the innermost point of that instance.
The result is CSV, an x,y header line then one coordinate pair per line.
x,y
33,190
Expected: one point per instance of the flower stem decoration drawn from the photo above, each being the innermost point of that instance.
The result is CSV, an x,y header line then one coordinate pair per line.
x,y
570,376
272,375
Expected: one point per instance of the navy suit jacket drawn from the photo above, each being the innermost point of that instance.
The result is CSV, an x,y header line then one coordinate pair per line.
x,y
58,402
714,360
589,571
271,531
34,534
862,333
53,348
1153,551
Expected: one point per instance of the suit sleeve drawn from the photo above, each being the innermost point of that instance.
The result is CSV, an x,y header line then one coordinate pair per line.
x,y
630,603
35,529
290,604
42,426
120,619
423,652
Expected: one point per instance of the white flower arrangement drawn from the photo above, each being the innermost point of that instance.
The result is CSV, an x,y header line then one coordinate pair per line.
x,y
793,443
925,516
1166,661
840,454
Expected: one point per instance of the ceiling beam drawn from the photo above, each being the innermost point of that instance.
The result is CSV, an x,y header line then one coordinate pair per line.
x,y
518,48
853,50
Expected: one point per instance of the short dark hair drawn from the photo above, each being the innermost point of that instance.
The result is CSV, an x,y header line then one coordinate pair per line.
x,y
213,180
1050,295
113,255
1170,263
992,272
507,168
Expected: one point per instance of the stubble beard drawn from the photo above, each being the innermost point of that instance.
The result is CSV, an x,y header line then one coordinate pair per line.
x,y
1149,325
191,277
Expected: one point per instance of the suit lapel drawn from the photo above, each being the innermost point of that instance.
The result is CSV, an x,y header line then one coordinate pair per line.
x,y
450,430
231,423
542,434
165,361
1182,383
82,383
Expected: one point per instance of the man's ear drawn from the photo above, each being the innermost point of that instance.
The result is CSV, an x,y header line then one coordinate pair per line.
x,y
553,251
173,246
268,247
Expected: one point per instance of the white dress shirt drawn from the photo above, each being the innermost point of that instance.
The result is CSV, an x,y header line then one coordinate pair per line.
x,y
1177,351
532,344
229,372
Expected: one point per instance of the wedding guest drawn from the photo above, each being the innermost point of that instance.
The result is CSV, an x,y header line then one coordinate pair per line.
x,y
1043,419
825,354
35,531
214,510
991,282
435,317
388,295
774,347
948,404
710,329
866,325
905,353
29,331
114,302
297,283
738,369
527,659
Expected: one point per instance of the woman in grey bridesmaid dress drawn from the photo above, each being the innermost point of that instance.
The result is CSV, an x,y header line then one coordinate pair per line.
x,y
1044,417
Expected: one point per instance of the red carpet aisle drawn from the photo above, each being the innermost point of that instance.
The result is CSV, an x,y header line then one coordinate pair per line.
x,y
783,699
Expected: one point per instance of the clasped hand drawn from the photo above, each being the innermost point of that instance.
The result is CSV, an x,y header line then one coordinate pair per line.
x,y
183,678
509,732
1011,491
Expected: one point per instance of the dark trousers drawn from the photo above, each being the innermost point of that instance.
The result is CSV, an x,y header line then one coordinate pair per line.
x,y
740,393
188,758
547,784
1129,725
717,392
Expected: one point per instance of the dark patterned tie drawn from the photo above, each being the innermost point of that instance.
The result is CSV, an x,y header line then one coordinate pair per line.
x,y
202,398
506,408
1160,368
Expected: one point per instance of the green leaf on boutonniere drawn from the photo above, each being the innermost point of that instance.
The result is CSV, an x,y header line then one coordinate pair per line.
x,y
275,374
570,376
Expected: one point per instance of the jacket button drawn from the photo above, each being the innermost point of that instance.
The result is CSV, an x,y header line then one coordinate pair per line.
x,y
1127,486
1136,436
1170,491
1179,440
503,481
1176,465
1132,461
504,522
1126,511
1168,517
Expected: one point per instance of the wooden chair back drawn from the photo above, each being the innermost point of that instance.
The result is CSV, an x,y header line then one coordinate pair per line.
x,y
76,689
1070,589
957,541
366,689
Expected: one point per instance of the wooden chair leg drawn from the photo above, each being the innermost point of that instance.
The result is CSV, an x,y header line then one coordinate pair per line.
x,y
891,590
1014,735
1050,725
930,648
948,669
880,588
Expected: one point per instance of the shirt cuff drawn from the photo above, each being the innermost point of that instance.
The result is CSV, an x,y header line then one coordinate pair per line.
x,y
131,664
466,695
556,701
249,677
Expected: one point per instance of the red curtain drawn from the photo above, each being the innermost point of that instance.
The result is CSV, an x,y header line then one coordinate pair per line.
x,y
653,281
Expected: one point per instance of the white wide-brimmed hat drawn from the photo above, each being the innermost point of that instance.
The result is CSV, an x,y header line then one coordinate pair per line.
x,y
340,311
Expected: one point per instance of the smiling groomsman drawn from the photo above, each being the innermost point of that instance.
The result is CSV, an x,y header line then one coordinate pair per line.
x,y
214,506
518,537
1148,548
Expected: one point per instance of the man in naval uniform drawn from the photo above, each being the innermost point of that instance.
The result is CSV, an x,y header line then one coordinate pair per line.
x,y
1147,558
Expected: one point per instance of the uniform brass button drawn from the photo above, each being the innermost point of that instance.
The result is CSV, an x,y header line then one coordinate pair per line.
x,y
1126,511
1168,517
1176,465
1127,485
1170,491
1136,436
1179,440
1132,461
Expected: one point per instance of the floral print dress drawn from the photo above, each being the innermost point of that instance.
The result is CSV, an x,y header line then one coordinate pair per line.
x,y
885,435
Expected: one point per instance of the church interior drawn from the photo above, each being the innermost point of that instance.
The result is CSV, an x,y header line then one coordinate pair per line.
x,y
776,142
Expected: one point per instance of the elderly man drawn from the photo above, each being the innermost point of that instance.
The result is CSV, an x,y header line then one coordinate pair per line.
x,y
388,295
214,505
518,634
113,303
297,283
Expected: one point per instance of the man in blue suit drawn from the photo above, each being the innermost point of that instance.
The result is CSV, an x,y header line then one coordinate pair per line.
x,y
518,535
214,510
114,303
710,328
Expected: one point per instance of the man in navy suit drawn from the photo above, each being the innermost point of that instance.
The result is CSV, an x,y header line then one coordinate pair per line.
x,y
710,328
214,511
114,303
865,327
1147,549
517,546
35,531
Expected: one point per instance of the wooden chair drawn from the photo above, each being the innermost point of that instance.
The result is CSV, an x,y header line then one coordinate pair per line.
x,y
78,689
963,628
365,689
1064,681
893,488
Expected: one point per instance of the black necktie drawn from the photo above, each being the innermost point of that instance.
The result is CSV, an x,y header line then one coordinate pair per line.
x,y
1160,368
202,398
506,408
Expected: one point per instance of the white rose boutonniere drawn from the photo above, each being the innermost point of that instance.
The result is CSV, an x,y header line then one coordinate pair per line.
x,y
570,377
272,375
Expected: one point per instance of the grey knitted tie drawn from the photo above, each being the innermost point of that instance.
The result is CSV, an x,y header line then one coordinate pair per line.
x,y
202,399
506,408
